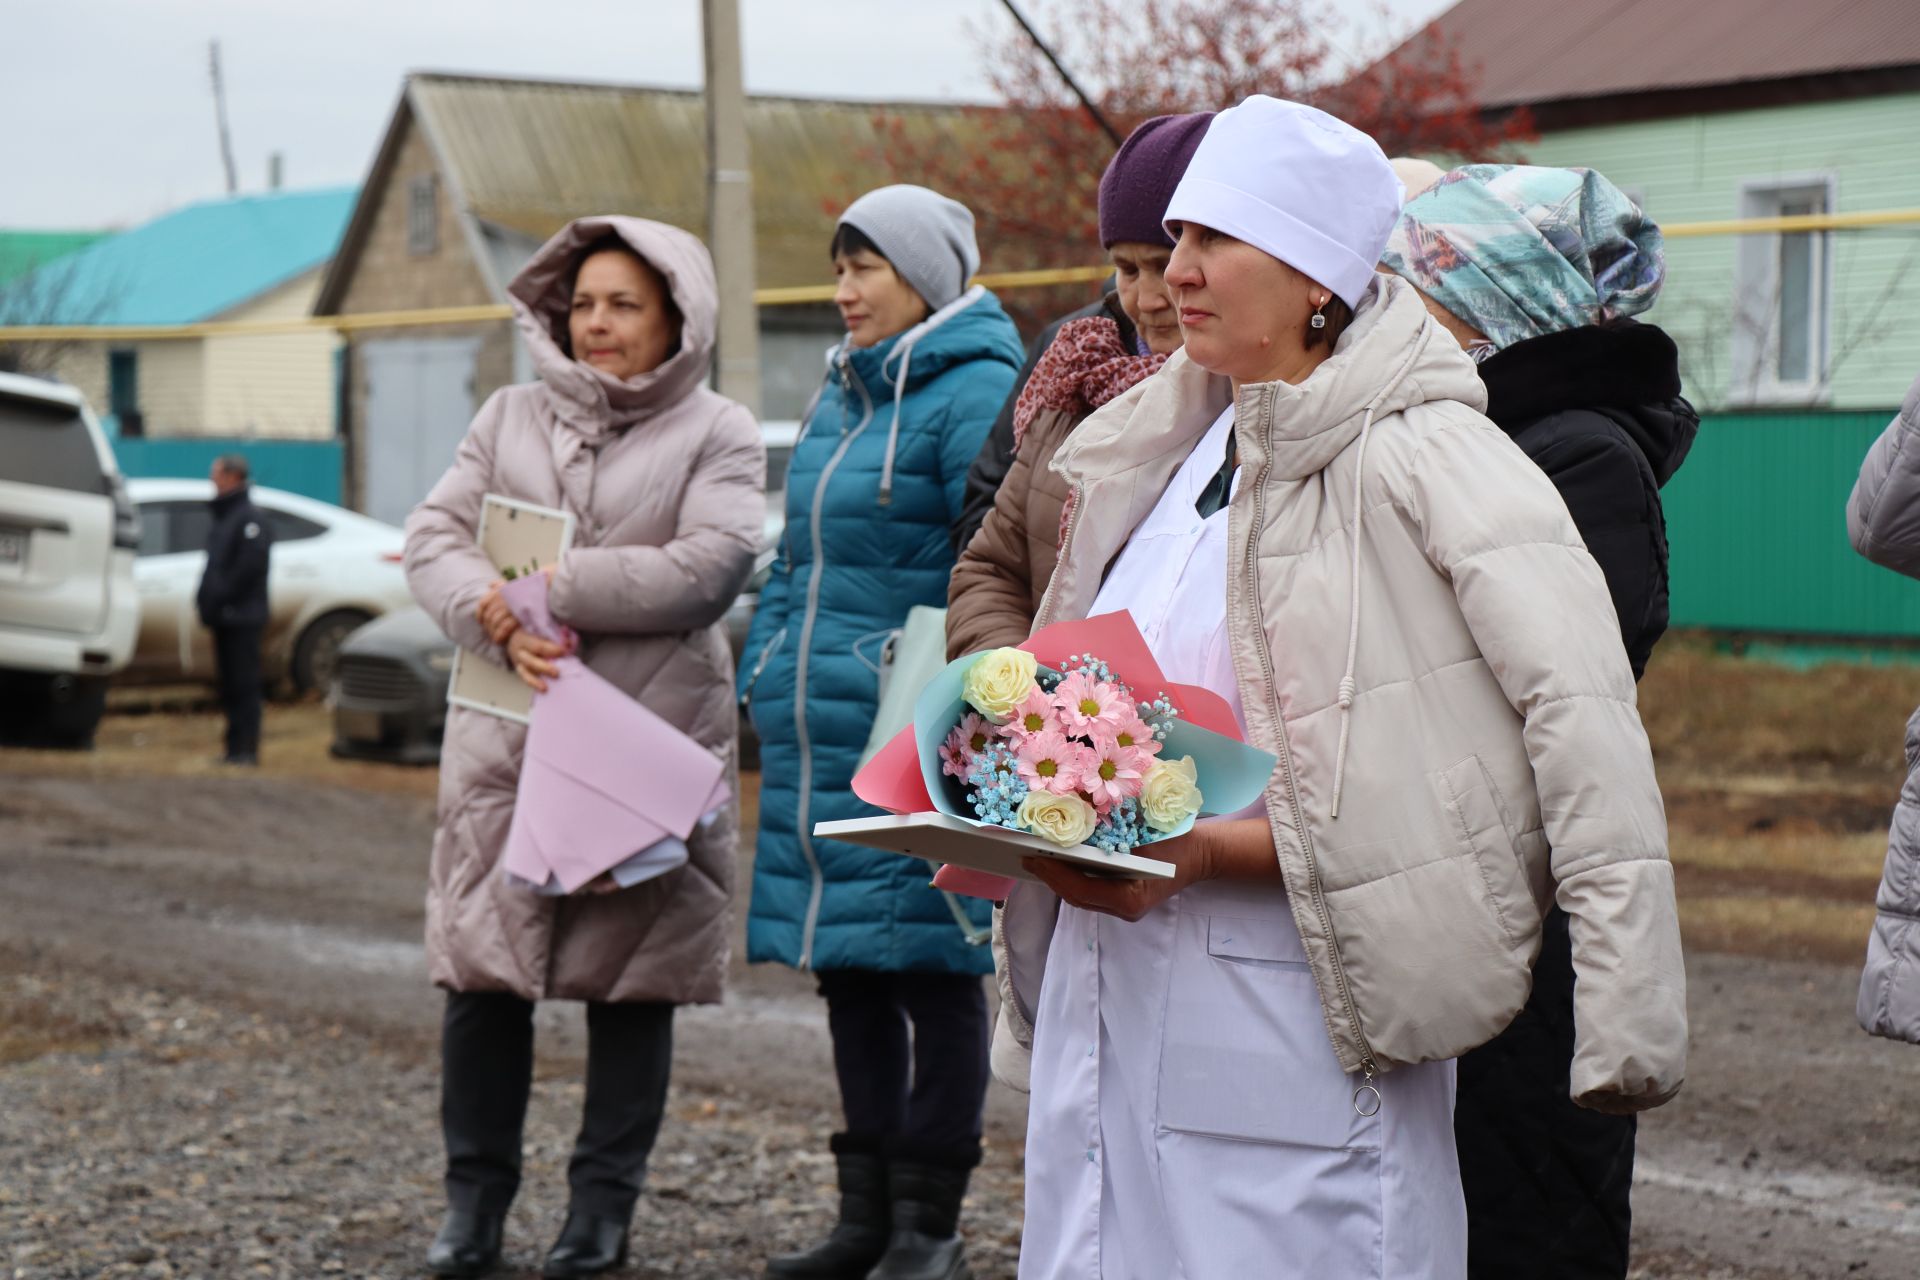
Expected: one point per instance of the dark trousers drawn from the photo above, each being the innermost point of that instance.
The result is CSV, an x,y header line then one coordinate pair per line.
x,y
1548,1184
236,656
921,1096
486,1053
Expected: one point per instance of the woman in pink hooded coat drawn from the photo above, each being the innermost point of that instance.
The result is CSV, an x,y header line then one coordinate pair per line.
x,y
666,483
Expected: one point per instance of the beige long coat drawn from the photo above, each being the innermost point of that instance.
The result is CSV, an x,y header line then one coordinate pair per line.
x,y
666,482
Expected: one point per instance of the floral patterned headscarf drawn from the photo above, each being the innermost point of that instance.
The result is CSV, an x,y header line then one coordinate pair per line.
x,y
1519,251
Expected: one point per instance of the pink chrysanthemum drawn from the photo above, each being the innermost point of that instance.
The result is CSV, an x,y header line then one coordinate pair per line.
x,y
1087,706
968,739
1134,732
1034,714
1112,772
1049,761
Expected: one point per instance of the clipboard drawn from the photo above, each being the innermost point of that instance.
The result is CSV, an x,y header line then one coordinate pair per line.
x,y
518,538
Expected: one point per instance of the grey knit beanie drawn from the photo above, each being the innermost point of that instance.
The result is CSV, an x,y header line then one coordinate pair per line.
x,y
927,237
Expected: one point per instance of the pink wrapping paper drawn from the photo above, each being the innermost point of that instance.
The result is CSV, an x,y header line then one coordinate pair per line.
x,y
893,779
603,777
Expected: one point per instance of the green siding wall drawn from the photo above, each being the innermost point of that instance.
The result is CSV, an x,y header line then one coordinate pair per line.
x,y
1690,169
309,467
1757,527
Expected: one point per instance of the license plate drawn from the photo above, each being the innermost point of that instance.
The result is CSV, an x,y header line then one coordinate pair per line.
x,y
13,546
358,726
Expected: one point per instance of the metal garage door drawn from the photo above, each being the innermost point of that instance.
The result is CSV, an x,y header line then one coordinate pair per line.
x,y
419,404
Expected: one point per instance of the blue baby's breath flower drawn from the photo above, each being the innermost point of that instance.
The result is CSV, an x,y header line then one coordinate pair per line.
x,y
997,786
1122,830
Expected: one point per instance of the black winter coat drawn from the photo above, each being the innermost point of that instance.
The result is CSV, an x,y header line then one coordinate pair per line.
x,y
233,589
1548,1184
1599,410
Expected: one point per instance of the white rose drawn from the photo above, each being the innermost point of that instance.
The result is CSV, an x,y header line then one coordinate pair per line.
x,y
998,681
1064,820
1169,795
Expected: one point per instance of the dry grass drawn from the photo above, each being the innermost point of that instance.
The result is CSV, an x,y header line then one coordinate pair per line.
x,y
294,743
1783,928
1843,862
1779,786
750,800
1791,896
31,1028
1710,711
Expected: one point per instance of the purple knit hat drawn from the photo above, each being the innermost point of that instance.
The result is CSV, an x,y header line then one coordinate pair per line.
x,y
1140,178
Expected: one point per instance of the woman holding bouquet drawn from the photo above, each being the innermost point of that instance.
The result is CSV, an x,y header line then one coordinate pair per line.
x,y
1247,1070
876,480
666,484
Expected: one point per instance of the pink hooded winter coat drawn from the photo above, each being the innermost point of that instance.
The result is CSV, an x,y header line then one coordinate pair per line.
x,y
666,483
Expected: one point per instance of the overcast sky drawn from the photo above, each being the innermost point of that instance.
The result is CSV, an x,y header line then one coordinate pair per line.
x,y
109,119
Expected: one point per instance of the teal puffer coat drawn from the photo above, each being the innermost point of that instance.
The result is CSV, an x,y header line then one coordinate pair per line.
x,y
876,480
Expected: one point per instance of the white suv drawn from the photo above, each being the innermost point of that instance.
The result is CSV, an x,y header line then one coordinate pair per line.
x,y
68,609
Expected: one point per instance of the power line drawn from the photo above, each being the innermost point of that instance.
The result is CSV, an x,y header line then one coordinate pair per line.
x,y
1099,118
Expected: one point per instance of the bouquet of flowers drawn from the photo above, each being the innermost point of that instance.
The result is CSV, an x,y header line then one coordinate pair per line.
x,y
1072,755
1072,746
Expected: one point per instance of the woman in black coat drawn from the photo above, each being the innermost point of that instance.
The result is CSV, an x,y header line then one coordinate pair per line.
x,y
1536,272
1598,409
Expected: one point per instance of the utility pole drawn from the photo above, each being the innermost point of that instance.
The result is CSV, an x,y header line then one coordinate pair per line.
x,y
730,206
220,115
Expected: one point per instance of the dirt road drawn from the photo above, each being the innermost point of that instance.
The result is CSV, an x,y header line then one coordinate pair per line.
x,y
217,1057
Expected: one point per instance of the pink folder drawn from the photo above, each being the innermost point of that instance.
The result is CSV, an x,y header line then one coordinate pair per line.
x,y
603,777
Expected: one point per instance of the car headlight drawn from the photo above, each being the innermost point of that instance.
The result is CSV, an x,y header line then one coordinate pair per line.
x,y
441,660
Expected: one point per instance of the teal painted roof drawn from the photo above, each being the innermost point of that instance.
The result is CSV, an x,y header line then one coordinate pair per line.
x,y
22,251
198,262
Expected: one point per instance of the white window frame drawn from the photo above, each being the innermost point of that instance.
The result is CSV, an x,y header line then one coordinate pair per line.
x,y
1756,295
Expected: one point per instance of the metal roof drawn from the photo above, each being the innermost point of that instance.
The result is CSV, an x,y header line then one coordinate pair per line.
x,y
1534,51
529,155
22,251
193,264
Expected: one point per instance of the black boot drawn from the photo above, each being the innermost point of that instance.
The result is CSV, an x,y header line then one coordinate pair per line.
x,y
926,1196
860,1237
468,1244
587,1246
926,1186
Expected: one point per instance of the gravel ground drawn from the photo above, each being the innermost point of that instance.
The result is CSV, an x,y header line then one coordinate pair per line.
x,y
168,1137
218,1059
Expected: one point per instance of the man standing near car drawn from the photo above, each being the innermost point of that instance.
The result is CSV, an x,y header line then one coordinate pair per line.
x,y
232,601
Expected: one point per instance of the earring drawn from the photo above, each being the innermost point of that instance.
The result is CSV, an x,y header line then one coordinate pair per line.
x,y
1319,321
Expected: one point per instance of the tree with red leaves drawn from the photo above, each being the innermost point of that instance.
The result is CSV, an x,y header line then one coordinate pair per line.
x,y
1031,173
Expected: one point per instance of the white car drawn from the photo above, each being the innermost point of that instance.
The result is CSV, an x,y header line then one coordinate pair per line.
x,y
68,612
330,571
